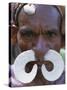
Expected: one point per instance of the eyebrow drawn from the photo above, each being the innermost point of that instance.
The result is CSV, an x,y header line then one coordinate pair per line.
x,y
56,30
25,28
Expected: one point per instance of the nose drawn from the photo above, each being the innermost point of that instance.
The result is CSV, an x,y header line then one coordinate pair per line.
x,y
40,48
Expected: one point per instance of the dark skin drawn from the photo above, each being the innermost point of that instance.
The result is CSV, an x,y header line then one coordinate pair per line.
x,y
39,32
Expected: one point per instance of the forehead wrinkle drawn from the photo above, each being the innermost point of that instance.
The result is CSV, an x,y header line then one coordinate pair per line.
x,y
39,23
28,20
40,16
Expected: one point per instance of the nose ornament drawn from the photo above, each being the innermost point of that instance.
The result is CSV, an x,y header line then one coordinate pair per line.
x,y
29,55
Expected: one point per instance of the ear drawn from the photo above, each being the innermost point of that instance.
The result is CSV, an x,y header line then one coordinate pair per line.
x,y
13,33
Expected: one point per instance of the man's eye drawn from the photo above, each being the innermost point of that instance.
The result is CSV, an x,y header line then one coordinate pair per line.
x,y
50,34
27,34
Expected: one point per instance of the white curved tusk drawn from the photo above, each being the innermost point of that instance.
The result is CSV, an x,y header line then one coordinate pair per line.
x,y
29,9
19,67
58,63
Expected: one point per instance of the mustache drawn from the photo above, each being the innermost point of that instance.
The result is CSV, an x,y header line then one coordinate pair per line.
x,y
26,66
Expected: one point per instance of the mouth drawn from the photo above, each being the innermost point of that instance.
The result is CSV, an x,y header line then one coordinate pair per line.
x,y
49,65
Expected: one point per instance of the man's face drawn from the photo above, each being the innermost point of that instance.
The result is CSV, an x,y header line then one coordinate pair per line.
x,y
40,31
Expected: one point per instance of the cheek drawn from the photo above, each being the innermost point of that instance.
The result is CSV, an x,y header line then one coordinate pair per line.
x,y
25,45
57,45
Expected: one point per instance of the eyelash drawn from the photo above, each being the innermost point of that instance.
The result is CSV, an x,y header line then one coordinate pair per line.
x,y
50,34
27,34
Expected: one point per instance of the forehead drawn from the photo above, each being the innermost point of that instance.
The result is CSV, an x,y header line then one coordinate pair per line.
x,y
45,16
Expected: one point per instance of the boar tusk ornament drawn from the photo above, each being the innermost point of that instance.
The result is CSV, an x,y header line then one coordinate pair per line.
x,y
29,55
58,63
19,67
